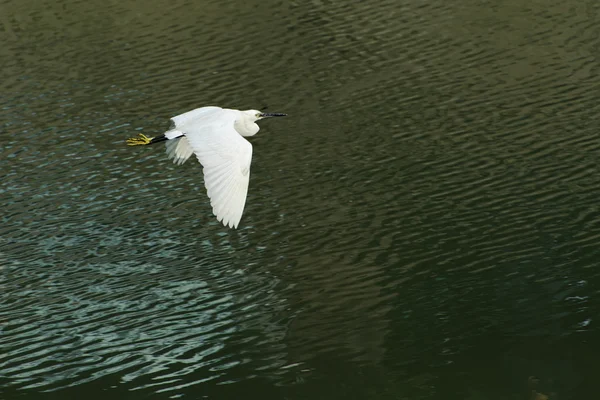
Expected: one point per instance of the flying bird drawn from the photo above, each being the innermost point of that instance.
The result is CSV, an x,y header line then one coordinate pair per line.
x,y
216,136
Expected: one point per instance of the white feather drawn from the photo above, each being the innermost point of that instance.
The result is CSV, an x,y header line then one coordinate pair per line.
x,y
224,154
179,150
194,115
173,134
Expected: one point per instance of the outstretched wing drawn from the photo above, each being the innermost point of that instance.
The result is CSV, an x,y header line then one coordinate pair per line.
x,y
226,158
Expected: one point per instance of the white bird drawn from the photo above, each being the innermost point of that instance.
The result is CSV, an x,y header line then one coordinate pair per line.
x,y
215,135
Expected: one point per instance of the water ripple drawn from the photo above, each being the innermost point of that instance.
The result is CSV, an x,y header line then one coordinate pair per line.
x,y
434,186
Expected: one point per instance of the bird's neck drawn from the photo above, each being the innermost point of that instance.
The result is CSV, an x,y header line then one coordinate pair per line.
x,y
245,127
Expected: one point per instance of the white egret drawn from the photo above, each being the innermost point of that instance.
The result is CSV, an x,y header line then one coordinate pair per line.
x,y
215,136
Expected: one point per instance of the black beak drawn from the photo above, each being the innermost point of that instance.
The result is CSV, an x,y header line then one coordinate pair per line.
x,y
265,115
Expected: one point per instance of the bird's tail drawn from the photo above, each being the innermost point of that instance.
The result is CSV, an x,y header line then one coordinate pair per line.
x,y
173,134
179,150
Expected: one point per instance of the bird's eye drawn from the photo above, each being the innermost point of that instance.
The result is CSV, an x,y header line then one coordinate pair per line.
x,y
257,115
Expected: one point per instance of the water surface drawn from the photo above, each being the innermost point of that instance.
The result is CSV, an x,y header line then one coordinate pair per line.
x,y
424,224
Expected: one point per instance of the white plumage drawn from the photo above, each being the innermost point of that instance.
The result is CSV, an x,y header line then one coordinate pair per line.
x,y
214,135
179,150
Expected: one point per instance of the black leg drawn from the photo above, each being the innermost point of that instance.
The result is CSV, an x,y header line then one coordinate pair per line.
x,y
158,139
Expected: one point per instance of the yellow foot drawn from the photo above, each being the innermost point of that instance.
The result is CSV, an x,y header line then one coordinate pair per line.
x,y
140,140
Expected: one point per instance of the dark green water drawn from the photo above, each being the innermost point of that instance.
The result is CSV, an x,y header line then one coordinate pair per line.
x,y
424,225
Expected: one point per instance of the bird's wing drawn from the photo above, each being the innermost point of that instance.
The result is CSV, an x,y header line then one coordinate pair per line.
x,y
179,150
226,158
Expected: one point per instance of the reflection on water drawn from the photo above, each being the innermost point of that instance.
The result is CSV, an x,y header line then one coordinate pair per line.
x,y
424,225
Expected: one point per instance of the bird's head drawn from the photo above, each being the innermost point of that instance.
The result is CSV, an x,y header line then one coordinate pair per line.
x,y
255,115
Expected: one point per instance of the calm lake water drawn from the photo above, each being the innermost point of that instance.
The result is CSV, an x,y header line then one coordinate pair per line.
x,y
424,225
